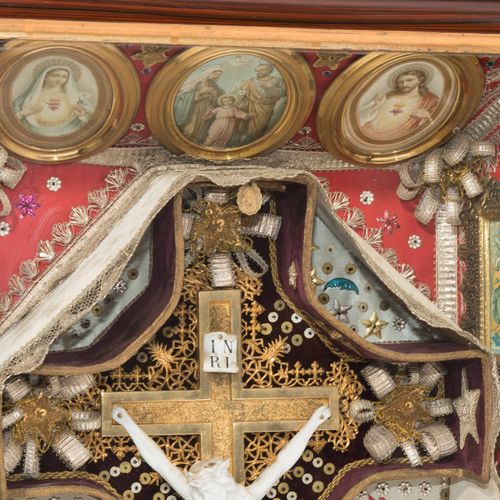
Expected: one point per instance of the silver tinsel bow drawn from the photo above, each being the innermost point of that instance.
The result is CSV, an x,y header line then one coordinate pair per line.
x,y
40,413
405,414
446,175
11,172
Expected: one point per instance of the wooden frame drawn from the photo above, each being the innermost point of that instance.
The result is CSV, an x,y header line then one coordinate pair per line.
x,y
424,15
480,253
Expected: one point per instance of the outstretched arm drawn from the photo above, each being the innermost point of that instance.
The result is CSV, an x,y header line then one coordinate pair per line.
x,y
153,454
288,455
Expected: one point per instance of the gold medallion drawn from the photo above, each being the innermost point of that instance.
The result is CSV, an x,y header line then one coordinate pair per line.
x,y
249,199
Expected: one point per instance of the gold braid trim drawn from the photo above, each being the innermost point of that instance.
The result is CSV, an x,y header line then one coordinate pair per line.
x,y
360,463
55,476
342,472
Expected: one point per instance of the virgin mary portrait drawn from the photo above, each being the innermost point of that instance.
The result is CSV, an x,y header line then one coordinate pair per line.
x,y
52,105
197,96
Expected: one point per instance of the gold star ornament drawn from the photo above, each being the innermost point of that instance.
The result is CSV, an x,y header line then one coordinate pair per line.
x,y
315,279
466,406
151,55
374,326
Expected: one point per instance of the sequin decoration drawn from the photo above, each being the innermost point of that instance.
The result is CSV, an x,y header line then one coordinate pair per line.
x,y
54,184
414,241
366,197
389,222
27,205
4,228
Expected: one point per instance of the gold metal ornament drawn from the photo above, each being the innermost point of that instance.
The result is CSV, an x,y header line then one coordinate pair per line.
x,y
223,401
217,229
330,60
150,55
43,417
315,279
405,413
249,199
402,409
374,326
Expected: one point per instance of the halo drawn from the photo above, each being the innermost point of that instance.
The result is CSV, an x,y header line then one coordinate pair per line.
x,y
57,62
209,68
224,96
264,62
425,68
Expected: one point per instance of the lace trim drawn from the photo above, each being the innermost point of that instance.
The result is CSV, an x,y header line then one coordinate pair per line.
x,y
54,303
63,234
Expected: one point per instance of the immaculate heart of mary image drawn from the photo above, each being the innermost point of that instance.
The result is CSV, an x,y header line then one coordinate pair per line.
x,y
54,96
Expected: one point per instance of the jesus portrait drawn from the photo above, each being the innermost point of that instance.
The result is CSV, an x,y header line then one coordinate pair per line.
x,y
406,107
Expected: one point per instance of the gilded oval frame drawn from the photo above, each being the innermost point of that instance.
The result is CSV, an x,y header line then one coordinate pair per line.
x,y
338,120
116,101
164,89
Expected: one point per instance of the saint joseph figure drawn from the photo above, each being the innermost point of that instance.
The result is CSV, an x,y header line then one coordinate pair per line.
x,y
264,98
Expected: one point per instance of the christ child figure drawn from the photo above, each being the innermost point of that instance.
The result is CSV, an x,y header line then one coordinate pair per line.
x,y
224,121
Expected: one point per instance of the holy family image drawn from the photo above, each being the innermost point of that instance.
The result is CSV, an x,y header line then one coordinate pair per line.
x,y
230,101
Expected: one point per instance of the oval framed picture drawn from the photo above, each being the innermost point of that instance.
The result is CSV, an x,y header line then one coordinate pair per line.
x,y
386,108
222,104
62,101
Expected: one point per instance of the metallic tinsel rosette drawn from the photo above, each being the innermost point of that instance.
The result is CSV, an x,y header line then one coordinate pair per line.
x,y
216,229
11,173
41,415
446,175
405,414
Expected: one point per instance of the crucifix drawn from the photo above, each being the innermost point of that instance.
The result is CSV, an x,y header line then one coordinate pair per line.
x,y
221,410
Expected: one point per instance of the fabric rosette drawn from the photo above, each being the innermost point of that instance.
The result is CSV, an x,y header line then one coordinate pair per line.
x,y
406,414
215,228
446,175
41,417
11,173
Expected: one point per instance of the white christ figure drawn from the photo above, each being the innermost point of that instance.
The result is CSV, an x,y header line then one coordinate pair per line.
x,y
210,479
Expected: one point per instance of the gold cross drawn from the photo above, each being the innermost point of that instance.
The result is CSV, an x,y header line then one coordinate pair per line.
x,y
221,410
